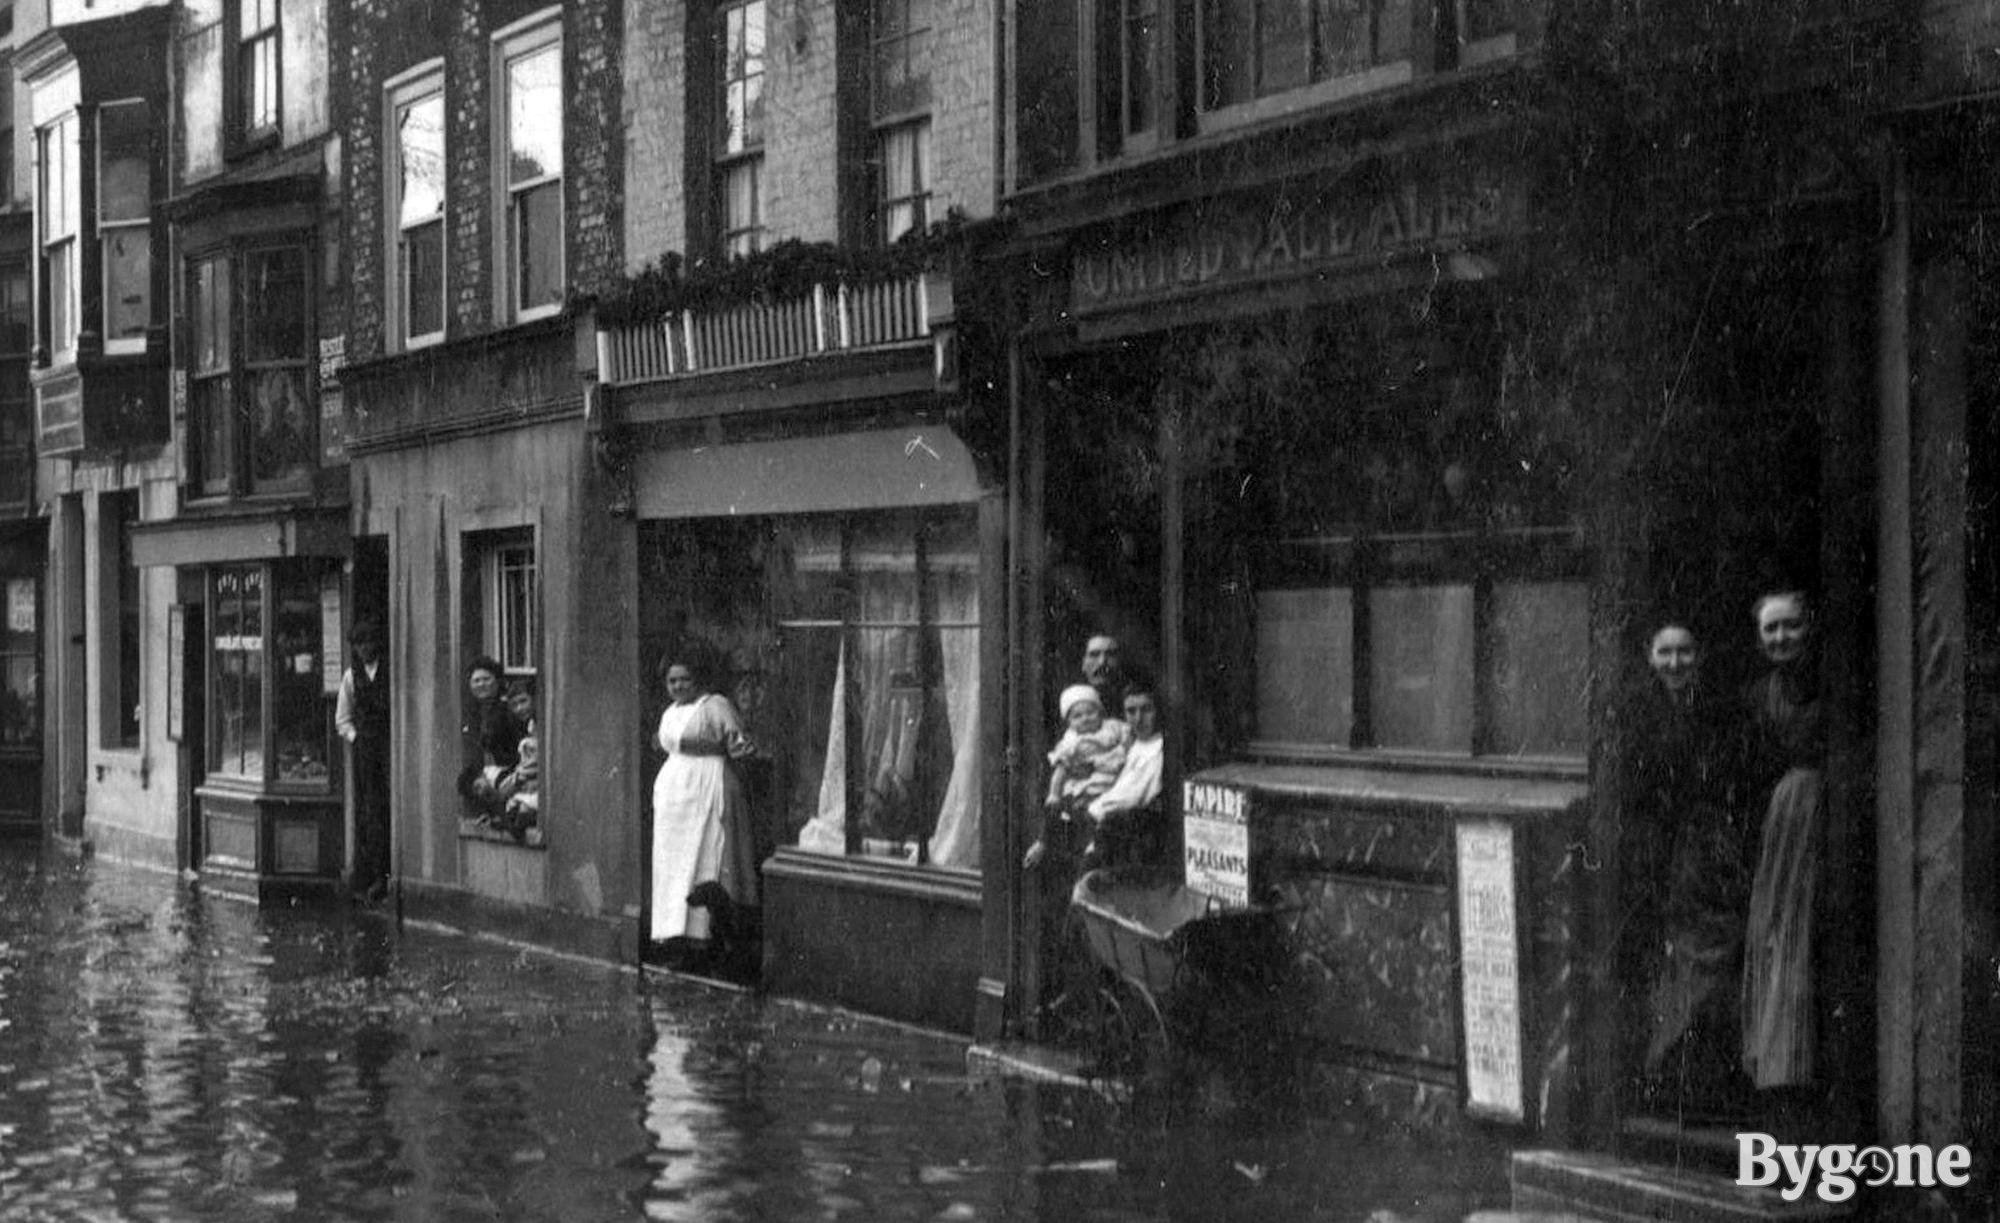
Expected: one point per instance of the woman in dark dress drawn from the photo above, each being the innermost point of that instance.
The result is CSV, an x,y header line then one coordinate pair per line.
x,y
1686,874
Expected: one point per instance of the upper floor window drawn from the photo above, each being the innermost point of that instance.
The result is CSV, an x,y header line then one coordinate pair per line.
x,y
61,221
417,198
124,225
530,75
899,101
254,426
1128,47
1254,49
257,65
740,115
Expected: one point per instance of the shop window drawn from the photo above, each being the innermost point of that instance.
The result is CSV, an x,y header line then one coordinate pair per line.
x,y
257,68
20,665
899,101
417,202
271,722
60,220
236,671
851,648
1249,50
740,125
254,425
119,620
124,227
1419,586
529,72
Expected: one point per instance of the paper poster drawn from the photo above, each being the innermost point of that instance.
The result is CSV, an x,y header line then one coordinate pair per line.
x,y
1489,950
21,605
1215,830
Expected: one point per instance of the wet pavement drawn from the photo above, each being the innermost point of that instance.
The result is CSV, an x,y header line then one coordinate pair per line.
x,y
168,1055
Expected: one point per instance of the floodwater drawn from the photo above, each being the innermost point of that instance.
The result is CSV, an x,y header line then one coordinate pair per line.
x,y
173,1056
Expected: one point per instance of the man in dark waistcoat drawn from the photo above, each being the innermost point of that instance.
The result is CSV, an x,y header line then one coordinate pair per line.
x,y
362,718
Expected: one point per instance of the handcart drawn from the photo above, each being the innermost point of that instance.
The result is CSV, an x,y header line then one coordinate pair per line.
x,y
1181,973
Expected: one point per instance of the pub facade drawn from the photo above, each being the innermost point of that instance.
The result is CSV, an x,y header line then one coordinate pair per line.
x,y
1383,384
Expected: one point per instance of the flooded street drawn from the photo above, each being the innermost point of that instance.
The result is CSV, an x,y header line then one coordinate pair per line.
x,y
166,1055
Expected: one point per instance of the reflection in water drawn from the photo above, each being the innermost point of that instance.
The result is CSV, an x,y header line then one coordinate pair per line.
x,y
164,1055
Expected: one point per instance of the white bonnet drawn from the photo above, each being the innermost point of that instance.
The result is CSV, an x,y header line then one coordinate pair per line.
x,y
1074,693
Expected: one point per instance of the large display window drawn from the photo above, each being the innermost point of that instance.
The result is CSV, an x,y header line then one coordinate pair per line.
x,y
850,646
270,716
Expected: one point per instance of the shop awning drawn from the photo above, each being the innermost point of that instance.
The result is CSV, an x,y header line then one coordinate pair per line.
x,y
251,537
877,469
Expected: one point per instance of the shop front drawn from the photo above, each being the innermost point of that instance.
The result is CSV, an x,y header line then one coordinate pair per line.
x,y
1355,463
254,651
836,589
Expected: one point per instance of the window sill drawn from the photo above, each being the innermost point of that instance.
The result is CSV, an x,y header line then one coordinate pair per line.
x,y
1470,790
1555,767
470,829
945,884
1309,97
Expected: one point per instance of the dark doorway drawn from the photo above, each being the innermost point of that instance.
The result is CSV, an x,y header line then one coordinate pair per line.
x,y
23,561
372,859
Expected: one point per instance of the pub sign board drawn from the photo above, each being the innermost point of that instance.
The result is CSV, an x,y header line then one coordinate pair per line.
x,y
1215,830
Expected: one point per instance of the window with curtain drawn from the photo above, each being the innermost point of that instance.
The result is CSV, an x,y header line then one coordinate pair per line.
x,y
739,114
899,89
416,183
257,63
850,645
530,78
59,217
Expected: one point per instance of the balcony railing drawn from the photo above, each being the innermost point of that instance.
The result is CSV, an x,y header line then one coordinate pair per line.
x,y
832,318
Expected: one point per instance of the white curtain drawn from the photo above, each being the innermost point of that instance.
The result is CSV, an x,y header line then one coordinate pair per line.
x,y
956,840
826,831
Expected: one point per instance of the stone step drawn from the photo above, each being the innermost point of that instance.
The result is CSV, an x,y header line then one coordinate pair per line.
x,y
1614,1190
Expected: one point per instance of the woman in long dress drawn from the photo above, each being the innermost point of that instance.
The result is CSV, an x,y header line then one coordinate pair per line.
x,y
1686,875
701,830
1789,726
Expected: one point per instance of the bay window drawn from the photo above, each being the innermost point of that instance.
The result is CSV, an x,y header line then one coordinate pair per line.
x,y
59,214
254,425
124,225
530,78
417,189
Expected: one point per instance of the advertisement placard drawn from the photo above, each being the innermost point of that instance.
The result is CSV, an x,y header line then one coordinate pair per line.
x,y
1215,829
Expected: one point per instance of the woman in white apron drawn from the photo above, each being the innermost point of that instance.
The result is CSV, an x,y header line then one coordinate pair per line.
x,y
701,832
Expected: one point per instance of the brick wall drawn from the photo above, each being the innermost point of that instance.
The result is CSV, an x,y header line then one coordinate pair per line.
x,y
800,173
389,36
654,113
801,194
963,139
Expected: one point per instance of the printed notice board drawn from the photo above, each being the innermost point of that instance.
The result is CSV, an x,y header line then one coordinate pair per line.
x,y
1215,829
1489,951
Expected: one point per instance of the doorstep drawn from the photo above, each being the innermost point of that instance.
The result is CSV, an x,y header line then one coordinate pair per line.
x,y
1612,1190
